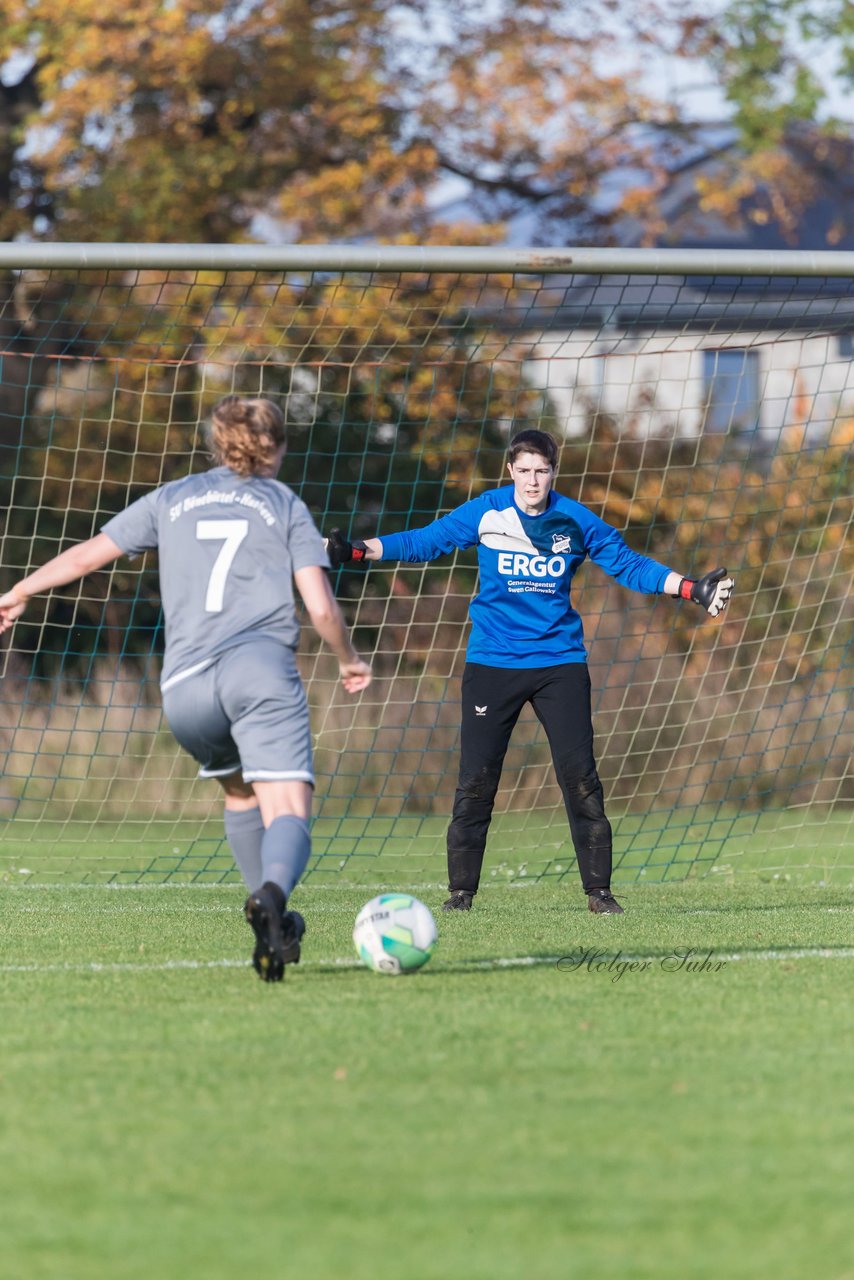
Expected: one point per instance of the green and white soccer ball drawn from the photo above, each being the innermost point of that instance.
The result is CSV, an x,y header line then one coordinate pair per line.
x,y
394,933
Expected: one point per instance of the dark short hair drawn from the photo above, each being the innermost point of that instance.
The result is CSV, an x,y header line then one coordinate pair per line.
x,y
532,441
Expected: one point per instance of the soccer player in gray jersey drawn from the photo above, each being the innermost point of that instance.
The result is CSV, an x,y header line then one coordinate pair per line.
x,y
232,542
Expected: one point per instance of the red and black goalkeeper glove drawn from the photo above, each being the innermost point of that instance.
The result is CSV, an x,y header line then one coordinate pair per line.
x,y
712,591
340,551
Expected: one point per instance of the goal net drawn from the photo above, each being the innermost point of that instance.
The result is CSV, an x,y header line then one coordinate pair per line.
x,y
705,410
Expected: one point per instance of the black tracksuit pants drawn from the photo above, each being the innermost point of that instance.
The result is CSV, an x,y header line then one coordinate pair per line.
x,y
492,699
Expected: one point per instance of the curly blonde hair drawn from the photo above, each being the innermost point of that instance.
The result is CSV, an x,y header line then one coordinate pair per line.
x,y
245,434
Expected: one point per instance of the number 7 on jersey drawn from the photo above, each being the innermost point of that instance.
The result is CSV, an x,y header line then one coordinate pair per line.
x,y
230,533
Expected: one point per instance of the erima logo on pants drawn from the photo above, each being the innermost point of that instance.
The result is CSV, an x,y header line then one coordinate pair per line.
x,y
513,564
479,711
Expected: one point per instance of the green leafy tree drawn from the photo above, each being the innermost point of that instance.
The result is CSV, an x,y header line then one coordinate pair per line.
x,y
783,66
778,61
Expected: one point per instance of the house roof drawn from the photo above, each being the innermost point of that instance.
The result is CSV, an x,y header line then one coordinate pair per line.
x,y
723,304
821,174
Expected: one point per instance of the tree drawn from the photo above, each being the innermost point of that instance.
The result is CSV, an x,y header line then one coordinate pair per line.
x,y
780,63
180,120
185,120
190,120
777,61
193,119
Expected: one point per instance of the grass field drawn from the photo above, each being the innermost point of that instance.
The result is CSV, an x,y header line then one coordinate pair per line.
x,y
813,845
512,1110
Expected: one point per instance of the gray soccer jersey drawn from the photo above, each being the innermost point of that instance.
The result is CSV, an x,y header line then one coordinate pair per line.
x,y
228,547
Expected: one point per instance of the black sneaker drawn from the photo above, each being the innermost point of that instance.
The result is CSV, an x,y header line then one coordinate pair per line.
x,y
603,903
278,934
460,900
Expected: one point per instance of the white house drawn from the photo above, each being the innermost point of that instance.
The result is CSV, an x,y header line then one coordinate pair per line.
x,y
746,356
676,356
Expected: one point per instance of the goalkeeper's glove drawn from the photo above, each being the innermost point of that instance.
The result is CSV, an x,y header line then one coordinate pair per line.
x,y
340,551
712,591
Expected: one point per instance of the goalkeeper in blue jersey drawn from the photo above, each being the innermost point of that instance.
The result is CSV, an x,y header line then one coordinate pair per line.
x,y
526,645
232,543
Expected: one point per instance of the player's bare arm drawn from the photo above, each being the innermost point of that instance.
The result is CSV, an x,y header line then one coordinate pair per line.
x,y
326,618
68,566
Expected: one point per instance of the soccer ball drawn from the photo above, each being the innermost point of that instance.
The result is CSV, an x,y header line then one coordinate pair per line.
x,y
394,933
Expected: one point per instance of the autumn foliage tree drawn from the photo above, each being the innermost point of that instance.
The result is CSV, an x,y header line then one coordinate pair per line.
x,y
186,120
318,120
193,119
197,121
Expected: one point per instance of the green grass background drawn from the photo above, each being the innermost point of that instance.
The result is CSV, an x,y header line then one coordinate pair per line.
x,y
165,1114
814,845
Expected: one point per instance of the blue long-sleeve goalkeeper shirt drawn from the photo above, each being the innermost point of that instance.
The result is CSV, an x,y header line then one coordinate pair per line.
x,y
522,615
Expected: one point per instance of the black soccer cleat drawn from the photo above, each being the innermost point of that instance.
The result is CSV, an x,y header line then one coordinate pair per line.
x,y
460,900
278,934
603,903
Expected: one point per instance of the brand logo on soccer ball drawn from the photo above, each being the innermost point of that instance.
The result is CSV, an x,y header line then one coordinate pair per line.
x,y
561,542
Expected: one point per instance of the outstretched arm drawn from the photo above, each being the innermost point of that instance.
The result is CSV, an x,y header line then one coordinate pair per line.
x,y
326,618
67,567
605,545
413,546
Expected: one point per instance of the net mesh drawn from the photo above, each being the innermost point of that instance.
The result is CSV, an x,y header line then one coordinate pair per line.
x,y
710,419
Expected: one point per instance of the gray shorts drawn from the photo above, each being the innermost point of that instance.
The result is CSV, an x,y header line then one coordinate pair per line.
x,y
246,711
